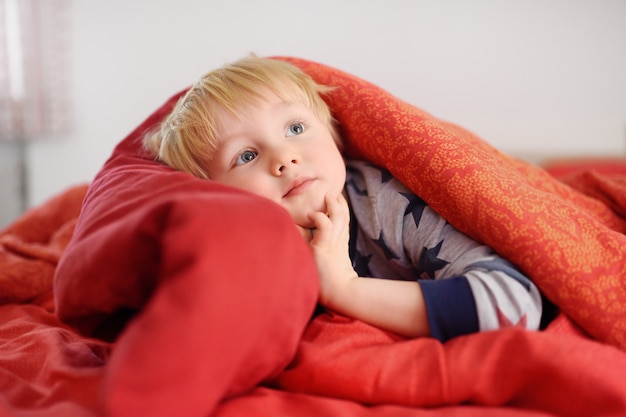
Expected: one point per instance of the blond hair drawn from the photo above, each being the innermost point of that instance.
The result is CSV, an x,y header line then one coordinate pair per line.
x,y
187,138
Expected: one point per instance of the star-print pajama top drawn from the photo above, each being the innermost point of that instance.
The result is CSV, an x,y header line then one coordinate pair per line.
x,y
467,287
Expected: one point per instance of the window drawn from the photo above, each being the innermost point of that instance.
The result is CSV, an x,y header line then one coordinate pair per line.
x,y
34,68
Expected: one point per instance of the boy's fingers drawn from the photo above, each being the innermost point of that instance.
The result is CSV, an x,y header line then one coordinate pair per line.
x,y
319,219
332,202
337,206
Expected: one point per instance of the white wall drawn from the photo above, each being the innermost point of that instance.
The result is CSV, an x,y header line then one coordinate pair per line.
x,y
533,77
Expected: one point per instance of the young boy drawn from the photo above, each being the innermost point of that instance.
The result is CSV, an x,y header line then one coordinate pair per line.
x,y
261,125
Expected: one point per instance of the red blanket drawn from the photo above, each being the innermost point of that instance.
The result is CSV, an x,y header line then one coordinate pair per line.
x,y
177,296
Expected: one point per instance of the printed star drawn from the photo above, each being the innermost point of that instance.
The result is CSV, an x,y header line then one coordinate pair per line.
x,y
506,267
352,184
429,263
385,175
389,254
416,206
504,322
361,264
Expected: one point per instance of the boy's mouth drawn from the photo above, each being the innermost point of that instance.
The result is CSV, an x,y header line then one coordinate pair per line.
x,y
298,186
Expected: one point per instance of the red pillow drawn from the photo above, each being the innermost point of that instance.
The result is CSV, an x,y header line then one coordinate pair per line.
x,y
160,258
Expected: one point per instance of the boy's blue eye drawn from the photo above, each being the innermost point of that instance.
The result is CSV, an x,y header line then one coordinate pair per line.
x,y
295,129
245,157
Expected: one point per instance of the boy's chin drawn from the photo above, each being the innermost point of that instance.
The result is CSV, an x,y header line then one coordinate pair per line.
x,y
302,219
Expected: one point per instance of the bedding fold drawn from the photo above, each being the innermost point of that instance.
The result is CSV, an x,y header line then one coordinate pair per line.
x,y
510,367
31,246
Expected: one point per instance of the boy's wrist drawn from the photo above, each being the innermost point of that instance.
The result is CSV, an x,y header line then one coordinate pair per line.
x,y
337,296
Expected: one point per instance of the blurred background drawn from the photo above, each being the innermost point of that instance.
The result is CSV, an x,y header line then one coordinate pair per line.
x,y
538,79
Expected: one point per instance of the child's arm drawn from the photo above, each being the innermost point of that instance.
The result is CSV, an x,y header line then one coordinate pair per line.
x,y
396,306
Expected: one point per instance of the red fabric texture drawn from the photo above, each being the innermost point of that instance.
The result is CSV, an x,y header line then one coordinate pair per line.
x,y
46,367
551,372
562,168
31,246
610,188
178,296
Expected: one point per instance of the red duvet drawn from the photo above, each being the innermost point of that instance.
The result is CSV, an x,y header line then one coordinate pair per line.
x,y
153,293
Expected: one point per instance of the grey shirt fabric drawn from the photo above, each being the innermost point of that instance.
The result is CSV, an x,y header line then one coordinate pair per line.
x,y
467,287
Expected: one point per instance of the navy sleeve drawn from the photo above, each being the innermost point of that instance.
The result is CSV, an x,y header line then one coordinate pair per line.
x,y
450,307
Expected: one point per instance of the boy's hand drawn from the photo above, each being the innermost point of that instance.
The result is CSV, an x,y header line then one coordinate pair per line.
x,y
393,305
330,250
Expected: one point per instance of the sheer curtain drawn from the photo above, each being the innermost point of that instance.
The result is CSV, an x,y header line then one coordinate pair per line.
x,y
35,87
34,68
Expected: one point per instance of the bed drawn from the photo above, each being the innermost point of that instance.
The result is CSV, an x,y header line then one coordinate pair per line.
x,y
149,292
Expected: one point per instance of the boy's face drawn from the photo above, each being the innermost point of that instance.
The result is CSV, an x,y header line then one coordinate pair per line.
x,y
282,151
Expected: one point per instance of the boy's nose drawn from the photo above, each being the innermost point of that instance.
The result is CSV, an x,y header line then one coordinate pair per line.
x,y
283,160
